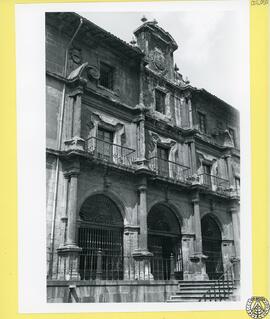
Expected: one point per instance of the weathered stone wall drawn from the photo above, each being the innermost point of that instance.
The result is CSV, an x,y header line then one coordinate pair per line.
x,y
114,291
219,117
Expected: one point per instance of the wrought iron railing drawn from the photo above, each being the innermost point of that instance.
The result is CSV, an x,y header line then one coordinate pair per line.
x,y
222,288
112,267
169,169
110,152
215,183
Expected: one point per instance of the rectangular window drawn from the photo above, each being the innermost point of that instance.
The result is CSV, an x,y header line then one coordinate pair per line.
x,y
104,144
202,122
207,175
232,133
163,164
106,76
160,101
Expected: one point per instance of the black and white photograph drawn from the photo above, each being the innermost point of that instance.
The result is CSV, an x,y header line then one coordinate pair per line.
x,y
141,144
143,169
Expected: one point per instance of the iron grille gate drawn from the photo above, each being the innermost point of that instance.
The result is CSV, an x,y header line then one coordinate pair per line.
x,y
103,243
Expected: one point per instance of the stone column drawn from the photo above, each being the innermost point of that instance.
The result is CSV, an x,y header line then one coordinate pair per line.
x,y
143,218
236,230
198,259
234,210
131,234
72,209
197,224
142,255
69,253
187,252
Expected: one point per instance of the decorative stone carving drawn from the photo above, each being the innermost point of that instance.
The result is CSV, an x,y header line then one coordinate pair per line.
x,y
158,61
76,55
93,72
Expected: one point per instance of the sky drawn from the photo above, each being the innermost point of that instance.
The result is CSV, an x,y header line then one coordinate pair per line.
x,y
209,45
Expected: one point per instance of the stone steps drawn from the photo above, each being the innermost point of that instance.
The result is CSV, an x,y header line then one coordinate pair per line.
x,y
191,291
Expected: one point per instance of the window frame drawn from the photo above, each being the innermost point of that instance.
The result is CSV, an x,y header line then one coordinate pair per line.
x,y
111,73
164,94
200,116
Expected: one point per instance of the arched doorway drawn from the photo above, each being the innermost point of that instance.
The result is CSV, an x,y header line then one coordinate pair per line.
x,y
211,242
164,240
100,235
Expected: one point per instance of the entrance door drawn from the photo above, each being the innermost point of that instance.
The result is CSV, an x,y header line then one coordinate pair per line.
x,y
100,235
164,240
211,242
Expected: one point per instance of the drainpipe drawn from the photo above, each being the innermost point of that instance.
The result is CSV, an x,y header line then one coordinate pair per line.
x,y
59,142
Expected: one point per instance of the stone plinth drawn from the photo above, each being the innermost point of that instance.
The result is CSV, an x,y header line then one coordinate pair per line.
x,y
68,262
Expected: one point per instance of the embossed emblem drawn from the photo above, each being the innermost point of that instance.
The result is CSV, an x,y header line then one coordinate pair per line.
x,y
158,59
257,307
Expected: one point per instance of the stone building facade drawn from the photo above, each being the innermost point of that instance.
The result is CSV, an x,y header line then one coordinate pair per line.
x,y
143,169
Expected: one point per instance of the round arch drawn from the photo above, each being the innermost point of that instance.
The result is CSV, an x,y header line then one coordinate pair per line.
x,y
211,244
112,196
100,233
172,207
164,240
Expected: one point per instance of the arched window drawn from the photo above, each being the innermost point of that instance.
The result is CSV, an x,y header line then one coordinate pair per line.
x,y
164,241
100,235
211,242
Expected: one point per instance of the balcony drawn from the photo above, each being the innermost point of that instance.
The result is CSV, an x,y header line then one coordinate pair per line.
x,y
169,169
215,183
109,152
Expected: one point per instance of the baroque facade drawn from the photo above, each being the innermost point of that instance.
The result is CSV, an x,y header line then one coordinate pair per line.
x,y
143,169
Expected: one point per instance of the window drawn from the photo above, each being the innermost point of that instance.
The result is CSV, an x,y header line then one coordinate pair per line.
x,y
160,101
202,122
232,133
163,164
106,76
206,174
104,144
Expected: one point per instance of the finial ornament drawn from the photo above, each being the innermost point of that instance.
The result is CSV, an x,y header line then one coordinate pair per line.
x,y
176,67
155,21
144,19
133,41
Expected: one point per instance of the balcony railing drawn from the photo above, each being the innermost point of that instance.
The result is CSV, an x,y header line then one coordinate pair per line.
x,y
214,183
169,169
110,152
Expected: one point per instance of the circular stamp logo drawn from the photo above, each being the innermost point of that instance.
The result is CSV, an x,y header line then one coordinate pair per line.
x,y
257,307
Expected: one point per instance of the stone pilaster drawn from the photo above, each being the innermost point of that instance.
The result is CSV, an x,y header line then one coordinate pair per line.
x,y
192,156
76,142
141,161
228,159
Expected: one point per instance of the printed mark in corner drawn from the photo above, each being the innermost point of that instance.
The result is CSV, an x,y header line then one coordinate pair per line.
x,y
257,307
259,2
